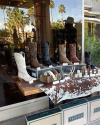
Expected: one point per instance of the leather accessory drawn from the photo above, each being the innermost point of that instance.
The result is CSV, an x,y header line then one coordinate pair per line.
x,y
56,74
33,55
59,71
62,54
51,74
21,65
45,54
73,57
46,79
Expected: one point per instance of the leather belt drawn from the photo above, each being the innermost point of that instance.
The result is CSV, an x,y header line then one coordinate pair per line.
x,y
56,74
59,71
51,74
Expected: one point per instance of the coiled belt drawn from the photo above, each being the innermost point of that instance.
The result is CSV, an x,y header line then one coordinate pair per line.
x,y
59,71
51,74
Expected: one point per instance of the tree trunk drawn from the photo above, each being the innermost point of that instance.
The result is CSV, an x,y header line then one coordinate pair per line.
x,y
62,18
22,30
10,34
22,45
17,28
12,31
4,18
51,15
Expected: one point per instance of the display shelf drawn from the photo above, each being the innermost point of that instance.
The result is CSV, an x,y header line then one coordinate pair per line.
x,y
36,73
67,68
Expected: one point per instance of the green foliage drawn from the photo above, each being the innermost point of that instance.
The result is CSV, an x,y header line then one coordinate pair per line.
x,y
30,11
4,33
93,46
52,5
94,0
61,8
16,18
2,7
57,25
11,45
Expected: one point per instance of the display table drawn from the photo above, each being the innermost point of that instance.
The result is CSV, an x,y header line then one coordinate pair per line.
x,y
25,87
70,89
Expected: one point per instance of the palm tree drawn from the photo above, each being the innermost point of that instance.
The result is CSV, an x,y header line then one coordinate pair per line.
x,y
9,12
61,9
24,20
52,5
3,8
16,19
10,26
30,11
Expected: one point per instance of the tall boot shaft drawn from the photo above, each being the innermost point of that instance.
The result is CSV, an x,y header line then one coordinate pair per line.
x,y
33,55
21,65
33,49
45,54
62,54
45,50
73,56
20,61
62,50
72,50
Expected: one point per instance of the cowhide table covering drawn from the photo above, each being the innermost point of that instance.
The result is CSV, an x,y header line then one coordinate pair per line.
x,y
70,89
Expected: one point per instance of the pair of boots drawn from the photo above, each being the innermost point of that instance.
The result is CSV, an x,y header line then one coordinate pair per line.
x,y
62,54
21,64
45,55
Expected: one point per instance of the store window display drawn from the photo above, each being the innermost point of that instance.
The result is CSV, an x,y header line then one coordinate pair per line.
x,y
56,36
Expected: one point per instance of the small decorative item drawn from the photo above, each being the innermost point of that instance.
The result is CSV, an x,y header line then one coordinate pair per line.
x,y
90,72
76,75
86,75
78,72
86,72
72,71
80,75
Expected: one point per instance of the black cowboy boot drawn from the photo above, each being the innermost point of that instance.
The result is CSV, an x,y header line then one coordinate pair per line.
x,y
87,58
45,54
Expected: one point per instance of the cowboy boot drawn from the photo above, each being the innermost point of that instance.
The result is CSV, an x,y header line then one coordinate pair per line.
x,y
45,54
21,65
88,60
73,57
62,54
33,55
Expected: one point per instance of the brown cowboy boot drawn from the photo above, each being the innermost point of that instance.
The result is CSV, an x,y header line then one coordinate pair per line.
x,y
62,54
73,57
33,55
